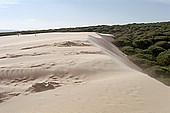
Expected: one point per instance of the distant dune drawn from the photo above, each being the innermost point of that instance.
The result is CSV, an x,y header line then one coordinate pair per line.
x,y
74,73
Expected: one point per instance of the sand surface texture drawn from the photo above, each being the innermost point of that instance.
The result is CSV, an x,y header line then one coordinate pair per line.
x,y
74,73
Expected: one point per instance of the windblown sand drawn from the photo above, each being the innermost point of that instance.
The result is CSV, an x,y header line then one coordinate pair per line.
x,y
74,73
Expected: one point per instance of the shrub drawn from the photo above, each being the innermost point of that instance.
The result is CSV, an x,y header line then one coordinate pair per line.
x,y
138,51
155,50
143,63
167,33
146,51
161,38
128,50
164,58
142,43
163,44
123,41
145,56
160,71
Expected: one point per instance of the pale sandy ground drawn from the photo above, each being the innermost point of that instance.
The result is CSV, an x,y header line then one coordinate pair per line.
x,y
77,73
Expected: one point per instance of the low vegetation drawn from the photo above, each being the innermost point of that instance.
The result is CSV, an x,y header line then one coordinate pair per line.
x,y
147,45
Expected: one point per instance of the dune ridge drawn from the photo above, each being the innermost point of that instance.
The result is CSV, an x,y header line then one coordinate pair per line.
x,y
74,73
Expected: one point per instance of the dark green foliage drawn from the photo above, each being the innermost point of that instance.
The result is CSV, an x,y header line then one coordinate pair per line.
x,y
146,51
142,62
167,32
128,50
161,38
138,51
155,50
142,43
145,56
160,71
123,41
164,58
151,46
163,44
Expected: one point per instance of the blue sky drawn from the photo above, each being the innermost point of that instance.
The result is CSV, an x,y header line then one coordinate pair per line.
x,y
44,14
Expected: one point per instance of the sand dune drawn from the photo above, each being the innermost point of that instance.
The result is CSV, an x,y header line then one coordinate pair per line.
x,y
74,73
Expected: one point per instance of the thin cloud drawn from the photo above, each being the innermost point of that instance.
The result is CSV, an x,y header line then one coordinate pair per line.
x,y
8,3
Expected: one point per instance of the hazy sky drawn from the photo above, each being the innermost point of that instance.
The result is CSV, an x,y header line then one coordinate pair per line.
x,y
41,14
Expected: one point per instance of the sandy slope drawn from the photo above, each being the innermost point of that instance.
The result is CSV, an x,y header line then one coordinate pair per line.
x,y
74,73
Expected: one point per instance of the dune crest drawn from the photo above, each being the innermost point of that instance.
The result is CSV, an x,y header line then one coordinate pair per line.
x,y
74,73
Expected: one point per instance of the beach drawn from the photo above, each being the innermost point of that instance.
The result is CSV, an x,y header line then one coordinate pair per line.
x,y
74,73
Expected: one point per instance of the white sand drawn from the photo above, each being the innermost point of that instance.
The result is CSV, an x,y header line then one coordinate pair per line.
x,y
77,73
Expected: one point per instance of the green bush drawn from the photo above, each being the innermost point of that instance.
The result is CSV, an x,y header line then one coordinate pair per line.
x,y
161,38
163,44
123,41
142,43
169,42
138,51
164,58
160,71
128,50
167,33
155,50
145,56
143,63
146,51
